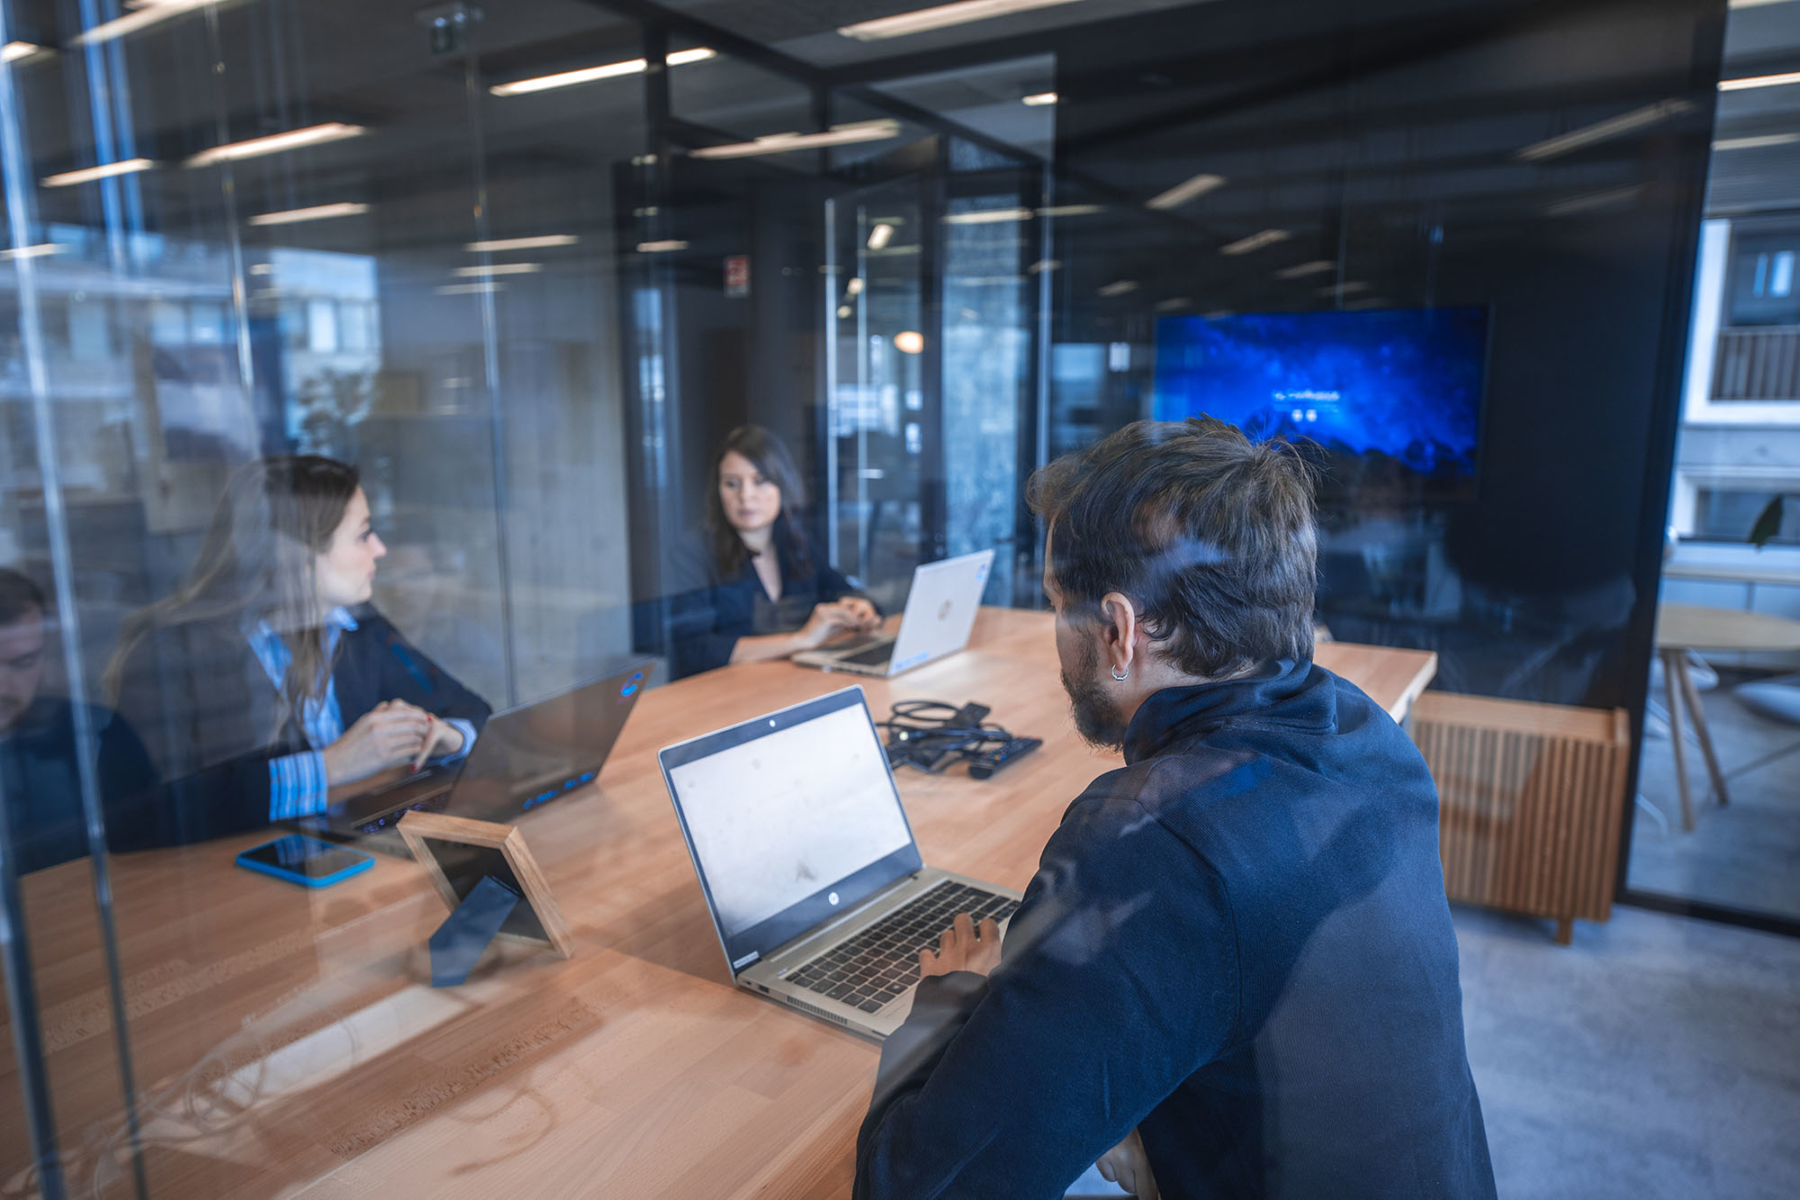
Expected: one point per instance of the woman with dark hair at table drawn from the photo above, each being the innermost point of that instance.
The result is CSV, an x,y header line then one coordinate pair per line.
x,y
749,586
267,677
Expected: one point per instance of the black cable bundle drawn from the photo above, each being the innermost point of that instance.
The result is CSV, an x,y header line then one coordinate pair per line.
x,y
930,735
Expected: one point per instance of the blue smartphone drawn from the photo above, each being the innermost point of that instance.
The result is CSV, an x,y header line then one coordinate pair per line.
x,y
309,862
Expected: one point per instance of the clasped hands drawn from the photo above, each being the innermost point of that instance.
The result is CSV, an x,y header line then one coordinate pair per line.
x,y
965,947
391,734
852,614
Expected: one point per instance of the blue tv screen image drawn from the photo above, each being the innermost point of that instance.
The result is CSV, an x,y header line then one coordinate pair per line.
x,y
1398,389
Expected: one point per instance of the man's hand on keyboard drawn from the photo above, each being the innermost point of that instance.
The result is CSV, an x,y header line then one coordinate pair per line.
x,y
963,947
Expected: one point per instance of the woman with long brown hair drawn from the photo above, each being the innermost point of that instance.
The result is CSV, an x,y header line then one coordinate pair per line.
x,y
267,677
748,586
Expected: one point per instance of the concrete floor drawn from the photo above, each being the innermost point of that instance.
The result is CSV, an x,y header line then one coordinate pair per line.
x,y
1655,1057
1658,1056
1742,855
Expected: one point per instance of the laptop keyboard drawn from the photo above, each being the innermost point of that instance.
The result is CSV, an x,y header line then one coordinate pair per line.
x,y
882,961
870,658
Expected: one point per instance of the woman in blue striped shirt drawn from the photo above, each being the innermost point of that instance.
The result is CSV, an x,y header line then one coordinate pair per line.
x,y
268,678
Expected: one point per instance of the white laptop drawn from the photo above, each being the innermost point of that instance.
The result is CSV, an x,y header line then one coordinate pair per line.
x,y
940,612
809,867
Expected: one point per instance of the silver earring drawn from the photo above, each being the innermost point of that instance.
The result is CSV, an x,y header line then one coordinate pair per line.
x,y
1118,674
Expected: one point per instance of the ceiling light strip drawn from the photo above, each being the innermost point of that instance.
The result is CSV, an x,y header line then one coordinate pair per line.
x,y
614,70
941,16
1600,131
277,143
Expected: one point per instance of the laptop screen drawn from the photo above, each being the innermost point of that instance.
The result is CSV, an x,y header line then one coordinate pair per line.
x,y
793,815
538,752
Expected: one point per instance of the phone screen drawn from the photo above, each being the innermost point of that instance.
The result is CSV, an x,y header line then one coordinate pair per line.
x,y
300,855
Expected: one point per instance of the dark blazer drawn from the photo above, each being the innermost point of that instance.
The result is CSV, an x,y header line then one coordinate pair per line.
x,y
40,787
1238,944
203,704
710,611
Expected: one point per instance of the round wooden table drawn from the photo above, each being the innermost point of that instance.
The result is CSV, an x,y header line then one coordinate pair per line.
x,y
1684,627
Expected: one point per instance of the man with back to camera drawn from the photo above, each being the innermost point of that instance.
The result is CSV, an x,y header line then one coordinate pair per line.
x,y
40,789
1235,966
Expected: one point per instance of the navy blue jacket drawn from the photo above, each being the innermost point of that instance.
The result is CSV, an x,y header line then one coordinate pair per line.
x,y
203,704
1238,944
40,787
710,610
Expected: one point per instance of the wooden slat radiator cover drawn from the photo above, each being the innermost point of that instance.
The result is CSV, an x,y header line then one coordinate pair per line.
x,y
1529,802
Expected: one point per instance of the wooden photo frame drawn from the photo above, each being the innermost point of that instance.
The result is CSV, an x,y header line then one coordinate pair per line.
x,y
458,853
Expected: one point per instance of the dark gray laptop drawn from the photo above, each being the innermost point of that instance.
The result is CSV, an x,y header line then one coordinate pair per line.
x,y
525,757
808,864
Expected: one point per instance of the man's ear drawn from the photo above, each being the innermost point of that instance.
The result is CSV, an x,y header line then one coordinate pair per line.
x,y
1119,629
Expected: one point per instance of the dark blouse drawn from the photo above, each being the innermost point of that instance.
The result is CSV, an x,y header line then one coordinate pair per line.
x,y
710,612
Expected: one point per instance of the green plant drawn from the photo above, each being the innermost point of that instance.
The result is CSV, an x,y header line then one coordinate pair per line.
x,y
1768,522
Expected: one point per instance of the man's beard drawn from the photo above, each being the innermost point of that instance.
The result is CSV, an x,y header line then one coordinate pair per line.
x,y
1096,719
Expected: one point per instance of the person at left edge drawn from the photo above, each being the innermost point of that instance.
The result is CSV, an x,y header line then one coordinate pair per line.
x,y
40,780
268,677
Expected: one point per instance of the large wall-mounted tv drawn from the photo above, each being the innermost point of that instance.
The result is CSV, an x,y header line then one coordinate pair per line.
x,y
1392,396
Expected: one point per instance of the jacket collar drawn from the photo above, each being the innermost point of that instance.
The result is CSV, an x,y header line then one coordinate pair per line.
x,y
1285,692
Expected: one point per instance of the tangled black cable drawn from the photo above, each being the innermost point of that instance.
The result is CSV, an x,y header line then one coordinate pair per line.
x,y
931,734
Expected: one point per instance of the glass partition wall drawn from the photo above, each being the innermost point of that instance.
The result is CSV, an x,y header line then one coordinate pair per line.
x,y
526,268
523,277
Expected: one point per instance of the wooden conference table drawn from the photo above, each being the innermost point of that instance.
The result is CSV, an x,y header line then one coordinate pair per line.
x,y
290,1043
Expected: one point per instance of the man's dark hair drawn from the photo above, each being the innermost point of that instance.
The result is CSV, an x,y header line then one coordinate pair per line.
x,y
1209,533
19,597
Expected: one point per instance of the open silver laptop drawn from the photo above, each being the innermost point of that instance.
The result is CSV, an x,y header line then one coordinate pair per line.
x,y
808,864
940,612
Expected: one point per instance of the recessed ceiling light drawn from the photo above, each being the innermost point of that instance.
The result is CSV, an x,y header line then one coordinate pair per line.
x,y
781,143
501,269
1119,287
880,235
103,171
563,79
1173,303
1759,81
276,143
909,341
542,241
1592,200
14,51
1039,99
1302,270
1756,140
1601,131
1070,210
320,212
663,247
988,216
144,16
1184,191
1256,241
41,250
941,16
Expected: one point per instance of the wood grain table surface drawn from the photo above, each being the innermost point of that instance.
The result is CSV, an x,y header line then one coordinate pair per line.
x,y
288,1042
